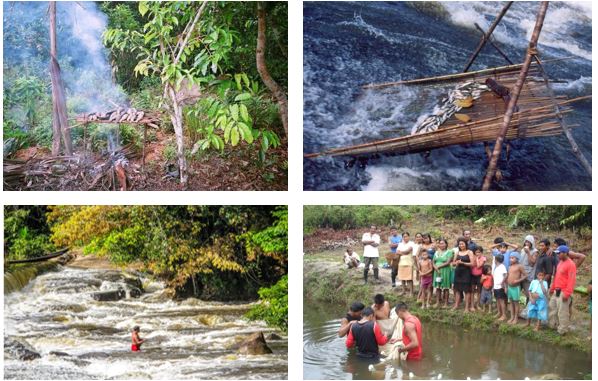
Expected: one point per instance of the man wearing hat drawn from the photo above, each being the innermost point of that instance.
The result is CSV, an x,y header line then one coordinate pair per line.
x,y
561,289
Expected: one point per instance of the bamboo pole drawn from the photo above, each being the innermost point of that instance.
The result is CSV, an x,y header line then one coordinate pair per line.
x,y
485,130
455,76
515,96
487,35
582,159
499,50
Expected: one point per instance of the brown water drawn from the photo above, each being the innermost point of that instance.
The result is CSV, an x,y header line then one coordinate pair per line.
x,y
449,353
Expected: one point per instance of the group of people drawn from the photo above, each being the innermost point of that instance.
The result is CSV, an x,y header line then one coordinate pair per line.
x,y
361,327
544,273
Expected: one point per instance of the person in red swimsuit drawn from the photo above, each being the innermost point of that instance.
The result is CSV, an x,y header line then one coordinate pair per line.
x,y
412,333
136,340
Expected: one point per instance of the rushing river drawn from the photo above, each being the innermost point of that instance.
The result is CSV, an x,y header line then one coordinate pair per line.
x,y
348,44
449,353
80,338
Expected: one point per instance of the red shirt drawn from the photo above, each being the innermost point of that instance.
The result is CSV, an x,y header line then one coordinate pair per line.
x,y
487,282
415,353
564,277
479,264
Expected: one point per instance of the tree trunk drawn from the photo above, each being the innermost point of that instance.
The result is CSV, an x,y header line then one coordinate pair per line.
x,y
176,116
260,57
59,118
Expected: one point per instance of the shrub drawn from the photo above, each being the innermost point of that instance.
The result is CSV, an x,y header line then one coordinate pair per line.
x,y
274,305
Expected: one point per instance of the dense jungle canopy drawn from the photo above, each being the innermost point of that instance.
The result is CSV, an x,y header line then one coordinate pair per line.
x,y
215,72
229,251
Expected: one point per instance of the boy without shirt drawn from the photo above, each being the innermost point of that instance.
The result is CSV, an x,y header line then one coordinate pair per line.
x,y
381,308
516,275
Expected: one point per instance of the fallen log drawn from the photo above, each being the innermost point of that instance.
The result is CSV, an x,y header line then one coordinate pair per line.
x,y
39,259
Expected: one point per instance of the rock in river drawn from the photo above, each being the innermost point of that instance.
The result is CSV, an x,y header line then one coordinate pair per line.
x,y
255,345
273,336
109,296
20,349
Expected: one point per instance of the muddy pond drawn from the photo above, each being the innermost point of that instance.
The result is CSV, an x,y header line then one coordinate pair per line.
x,y
77,337
449,353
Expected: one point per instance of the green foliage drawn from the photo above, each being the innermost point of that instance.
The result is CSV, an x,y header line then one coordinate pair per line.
x,y
235,111
26,234
169,152
350,217
524,216
28,91
274,305
244,245
130,135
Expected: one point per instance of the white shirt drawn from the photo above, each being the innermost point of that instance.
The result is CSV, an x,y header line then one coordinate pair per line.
x,y
407,260
369,250
353,255
499,274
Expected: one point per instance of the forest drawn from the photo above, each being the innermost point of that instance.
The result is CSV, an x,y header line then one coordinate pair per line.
x,y
542,217
210,252
145,95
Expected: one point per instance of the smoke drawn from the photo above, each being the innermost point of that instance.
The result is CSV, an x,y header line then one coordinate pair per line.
x,y
83,58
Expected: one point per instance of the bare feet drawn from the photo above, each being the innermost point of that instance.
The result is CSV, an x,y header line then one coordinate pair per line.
x,y
536,328
472,309
502,318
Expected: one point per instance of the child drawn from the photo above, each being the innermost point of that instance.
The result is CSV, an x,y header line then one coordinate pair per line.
x,y
538,295
486,295
502,247
516,275
136,340
426,270
476,276
499,276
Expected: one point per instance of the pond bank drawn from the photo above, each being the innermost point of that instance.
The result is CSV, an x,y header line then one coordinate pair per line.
x,y
329,283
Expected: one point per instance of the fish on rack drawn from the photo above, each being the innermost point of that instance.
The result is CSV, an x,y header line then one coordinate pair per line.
x,y
462,96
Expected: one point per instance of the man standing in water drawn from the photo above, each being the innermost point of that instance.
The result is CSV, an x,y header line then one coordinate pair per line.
x,y
381,307
412,333
136,341
352,316
370,241
367,335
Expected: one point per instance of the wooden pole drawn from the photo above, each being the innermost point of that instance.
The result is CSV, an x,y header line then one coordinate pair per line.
x,y
487,35
499,50
455,76
531,51
143,153
582,159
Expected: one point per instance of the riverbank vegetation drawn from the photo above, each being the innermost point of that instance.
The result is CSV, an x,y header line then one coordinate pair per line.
x,y
213,76
210,252
328,230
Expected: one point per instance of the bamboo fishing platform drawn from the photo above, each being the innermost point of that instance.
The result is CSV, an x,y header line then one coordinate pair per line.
x,y
535,117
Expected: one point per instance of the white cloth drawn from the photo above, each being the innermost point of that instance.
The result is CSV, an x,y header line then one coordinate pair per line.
x,y
369,250
390,352
499,274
